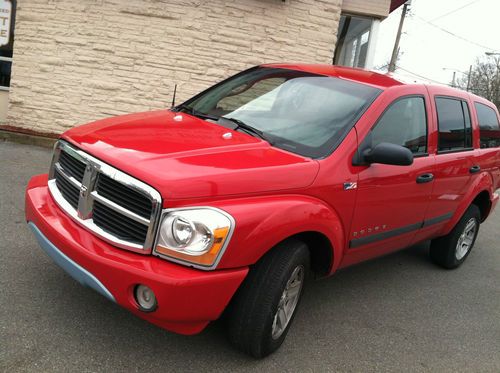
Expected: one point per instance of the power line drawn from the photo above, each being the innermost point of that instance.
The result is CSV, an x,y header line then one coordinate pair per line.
x,y
421,76
453,34
454,10
471,90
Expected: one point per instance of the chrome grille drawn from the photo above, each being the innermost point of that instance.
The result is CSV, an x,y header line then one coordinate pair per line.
x,y
120,226
69,191
115,206
124,196
72,166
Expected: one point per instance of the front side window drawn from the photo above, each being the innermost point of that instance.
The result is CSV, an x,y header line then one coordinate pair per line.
x,y
403,123
454,124
304,113
489,128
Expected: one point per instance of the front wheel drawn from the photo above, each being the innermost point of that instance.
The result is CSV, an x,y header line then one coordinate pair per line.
x,y
451,250
265,305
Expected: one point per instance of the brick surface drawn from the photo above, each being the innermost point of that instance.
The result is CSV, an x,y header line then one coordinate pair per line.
x,y
77,61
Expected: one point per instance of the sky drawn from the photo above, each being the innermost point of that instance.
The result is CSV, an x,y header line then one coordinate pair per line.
x,y
440,36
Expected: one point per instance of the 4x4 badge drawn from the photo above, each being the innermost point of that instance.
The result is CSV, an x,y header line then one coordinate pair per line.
x,y
349,186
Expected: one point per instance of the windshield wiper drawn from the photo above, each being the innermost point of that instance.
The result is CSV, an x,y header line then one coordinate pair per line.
x,y
248,128
186,109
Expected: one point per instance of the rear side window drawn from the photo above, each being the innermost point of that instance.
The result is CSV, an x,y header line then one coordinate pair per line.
x,y
455,130
489,127
403,123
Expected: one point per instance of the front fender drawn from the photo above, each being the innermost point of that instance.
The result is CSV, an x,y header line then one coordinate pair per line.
x,y
263,222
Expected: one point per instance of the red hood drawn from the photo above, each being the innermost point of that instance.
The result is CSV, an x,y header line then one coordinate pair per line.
x,y
190,158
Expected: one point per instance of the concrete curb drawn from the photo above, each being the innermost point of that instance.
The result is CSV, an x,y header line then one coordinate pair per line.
x,y
23,138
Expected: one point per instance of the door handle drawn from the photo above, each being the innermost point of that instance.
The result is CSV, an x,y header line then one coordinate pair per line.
x,y
475,169
425,178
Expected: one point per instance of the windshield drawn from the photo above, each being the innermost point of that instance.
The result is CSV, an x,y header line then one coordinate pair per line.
x,y
304,113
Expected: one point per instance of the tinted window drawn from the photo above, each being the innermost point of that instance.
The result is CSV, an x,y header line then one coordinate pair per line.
x,y
468,125
454,124
489,127
403,123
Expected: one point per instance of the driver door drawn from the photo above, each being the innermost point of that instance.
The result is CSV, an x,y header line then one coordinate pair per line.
x,y
392,200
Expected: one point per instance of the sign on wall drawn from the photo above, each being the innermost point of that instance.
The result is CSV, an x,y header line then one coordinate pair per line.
x,y
5,20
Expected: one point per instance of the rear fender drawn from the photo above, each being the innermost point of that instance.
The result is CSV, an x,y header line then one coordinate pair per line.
x,y
263,222
483,182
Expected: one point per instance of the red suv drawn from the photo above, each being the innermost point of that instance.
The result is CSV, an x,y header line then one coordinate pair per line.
x,y
229,201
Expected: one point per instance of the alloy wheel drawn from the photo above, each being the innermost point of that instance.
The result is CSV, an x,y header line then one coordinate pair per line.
x,y
466,239
288,302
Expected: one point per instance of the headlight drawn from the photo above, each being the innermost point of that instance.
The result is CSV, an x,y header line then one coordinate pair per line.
x,y
196,236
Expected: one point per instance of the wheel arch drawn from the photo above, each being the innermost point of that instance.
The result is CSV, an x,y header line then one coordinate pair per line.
x,y
320,251
263,223
480,193
483,202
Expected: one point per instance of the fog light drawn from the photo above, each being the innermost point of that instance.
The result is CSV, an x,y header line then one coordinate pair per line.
x,y
145,298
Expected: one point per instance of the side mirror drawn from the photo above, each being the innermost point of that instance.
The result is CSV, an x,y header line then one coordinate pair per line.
x,y
387,153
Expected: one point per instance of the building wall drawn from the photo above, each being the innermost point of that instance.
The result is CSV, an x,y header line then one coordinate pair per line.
x,y
77,61
4,103
375,8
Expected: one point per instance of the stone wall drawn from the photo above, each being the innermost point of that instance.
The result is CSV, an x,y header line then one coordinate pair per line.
x,y
77,61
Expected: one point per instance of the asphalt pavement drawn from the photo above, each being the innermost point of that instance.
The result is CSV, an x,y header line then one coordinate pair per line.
x,y
397,313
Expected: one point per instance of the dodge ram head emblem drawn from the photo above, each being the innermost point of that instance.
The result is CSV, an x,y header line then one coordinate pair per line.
x,y
83,191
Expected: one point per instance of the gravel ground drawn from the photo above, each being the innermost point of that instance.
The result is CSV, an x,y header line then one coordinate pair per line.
x,y
397,313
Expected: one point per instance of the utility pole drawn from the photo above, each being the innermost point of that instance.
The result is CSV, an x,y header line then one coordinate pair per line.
x,y
395,50
468,78
453,80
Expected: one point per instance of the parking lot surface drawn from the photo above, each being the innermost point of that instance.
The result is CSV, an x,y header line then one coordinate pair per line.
x,y
397,313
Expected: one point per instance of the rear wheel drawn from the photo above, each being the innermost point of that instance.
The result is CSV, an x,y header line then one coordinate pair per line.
x,y
265,305
451,250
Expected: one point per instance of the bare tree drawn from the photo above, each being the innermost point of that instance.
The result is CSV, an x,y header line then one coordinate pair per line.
x,y
484,79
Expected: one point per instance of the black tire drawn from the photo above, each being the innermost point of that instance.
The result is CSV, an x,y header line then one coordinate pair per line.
x,y
444,250
252,312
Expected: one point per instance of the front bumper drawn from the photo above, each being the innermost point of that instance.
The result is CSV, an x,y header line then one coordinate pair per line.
x,y
188,299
